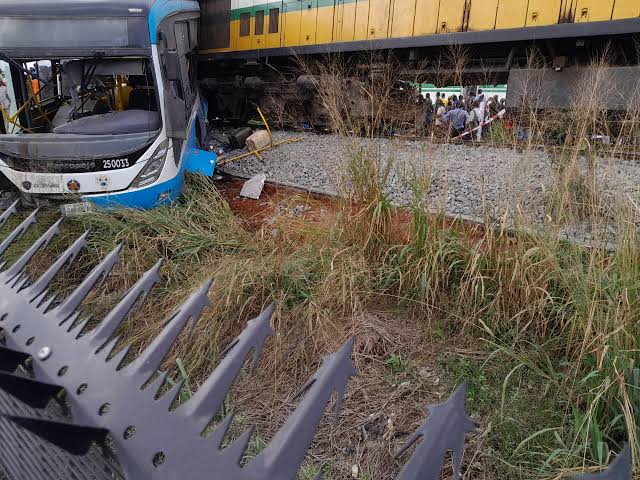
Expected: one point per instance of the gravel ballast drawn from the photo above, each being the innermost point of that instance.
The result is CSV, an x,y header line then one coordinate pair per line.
x,y
465,180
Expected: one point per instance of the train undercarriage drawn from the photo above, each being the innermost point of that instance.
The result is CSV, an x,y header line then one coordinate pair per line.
x,y
546,73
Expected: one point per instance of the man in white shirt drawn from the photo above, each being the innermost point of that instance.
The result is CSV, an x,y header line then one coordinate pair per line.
x,y
440,111
482,100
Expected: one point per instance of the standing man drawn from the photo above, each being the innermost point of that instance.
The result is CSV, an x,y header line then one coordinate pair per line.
x,y
474,116
428,111
457,119
482,100
494,106
440,111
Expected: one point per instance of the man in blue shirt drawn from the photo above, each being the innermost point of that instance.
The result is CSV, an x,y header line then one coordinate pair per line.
x,y
428,111
457,118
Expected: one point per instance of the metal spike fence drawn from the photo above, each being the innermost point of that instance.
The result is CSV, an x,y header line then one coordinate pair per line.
x,y
72,408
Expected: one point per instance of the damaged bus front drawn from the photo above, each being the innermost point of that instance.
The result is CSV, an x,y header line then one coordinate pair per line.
x,y
99,100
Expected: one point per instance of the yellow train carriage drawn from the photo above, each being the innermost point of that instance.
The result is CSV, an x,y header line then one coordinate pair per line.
x,y
249,47
257,25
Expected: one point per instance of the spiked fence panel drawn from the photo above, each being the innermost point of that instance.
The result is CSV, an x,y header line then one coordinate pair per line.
x,y
71,407
620,468
114,413
443,431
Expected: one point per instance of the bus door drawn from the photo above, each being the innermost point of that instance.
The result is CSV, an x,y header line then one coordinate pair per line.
x,y
178,53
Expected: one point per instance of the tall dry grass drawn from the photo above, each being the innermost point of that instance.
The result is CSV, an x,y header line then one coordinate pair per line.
x,y
524,285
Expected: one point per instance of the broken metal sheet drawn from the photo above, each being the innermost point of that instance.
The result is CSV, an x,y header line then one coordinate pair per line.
x,y
252,188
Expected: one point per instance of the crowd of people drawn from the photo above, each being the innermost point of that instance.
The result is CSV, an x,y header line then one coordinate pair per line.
x,y
457,115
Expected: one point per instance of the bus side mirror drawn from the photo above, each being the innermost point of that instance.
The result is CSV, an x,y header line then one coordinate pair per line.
x,y
172,66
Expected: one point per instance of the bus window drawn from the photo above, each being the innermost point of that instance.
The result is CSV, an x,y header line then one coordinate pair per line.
x,y
274,17
259,22
245,24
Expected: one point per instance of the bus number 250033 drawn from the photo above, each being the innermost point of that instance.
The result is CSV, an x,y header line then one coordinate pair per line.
x,y
113,163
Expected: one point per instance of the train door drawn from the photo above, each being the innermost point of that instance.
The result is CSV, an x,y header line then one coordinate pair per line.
x,y
451,16
291,18
403,12
593,10
243,41
308,17
511,13
259,27
543,12
338,16
426,18
324,21
360,29
482,15
344,19
626,9
378,25
274,25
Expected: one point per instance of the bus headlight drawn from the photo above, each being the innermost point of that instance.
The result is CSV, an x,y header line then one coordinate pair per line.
x,y
153,168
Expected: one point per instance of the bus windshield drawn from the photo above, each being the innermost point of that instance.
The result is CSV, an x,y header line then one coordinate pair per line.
x,y
87,96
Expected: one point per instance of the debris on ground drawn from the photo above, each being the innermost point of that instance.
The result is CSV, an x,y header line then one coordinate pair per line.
x,y
258,140
218,142
238,138
77,209
252,188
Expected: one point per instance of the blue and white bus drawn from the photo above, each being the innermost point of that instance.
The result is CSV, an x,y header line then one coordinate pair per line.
x,y
100,100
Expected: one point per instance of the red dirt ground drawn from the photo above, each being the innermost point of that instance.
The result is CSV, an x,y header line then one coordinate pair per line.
x,y
314,208
254,213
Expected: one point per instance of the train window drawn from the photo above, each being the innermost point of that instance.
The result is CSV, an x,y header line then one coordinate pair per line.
x,y
274,17
259,22
245,24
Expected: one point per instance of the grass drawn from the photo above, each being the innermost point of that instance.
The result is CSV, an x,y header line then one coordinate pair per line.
x,y
560,317
407,298
545,331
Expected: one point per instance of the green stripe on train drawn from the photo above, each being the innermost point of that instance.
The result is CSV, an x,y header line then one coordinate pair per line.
x,y
285,7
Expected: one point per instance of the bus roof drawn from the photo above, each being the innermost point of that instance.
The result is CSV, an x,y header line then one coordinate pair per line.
x,y
76,8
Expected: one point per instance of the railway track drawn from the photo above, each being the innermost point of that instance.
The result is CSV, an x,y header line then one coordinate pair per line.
x,y
608,152
467,181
